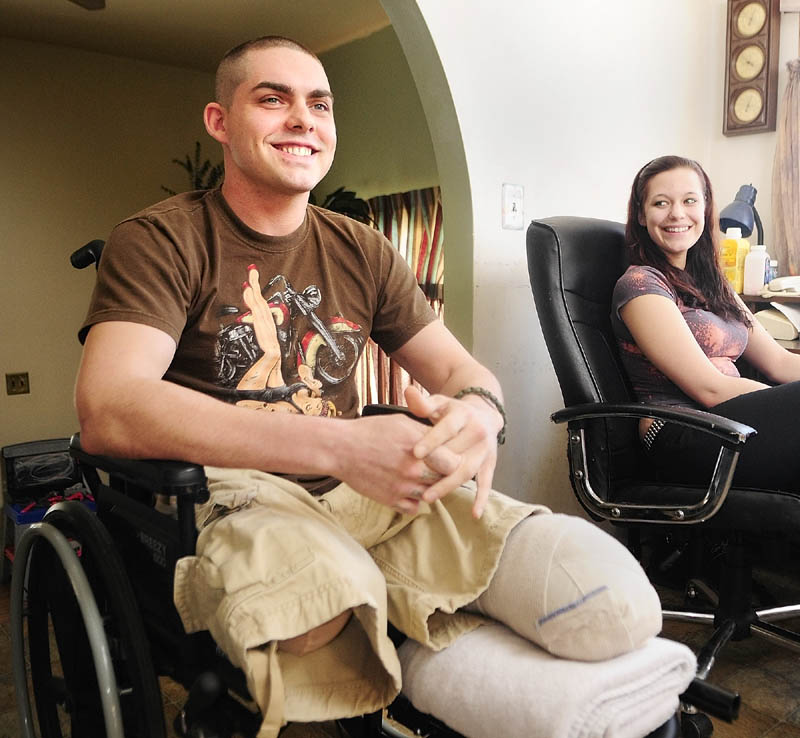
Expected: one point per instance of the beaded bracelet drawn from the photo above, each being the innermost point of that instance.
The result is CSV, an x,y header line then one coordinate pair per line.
x,y
490,398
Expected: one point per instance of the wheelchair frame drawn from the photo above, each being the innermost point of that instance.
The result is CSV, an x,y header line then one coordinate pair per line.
x,y
120,579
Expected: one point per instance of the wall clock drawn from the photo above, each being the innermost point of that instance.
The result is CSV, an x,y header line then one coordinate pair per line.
x,y
751,66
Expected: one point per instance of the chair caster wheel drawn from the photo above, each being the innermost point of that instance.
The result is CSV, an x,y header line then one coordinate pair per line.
x,y
696,725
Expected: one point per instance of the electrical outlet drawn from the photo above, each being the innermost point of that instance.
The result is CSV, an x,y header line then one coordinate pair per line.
x,y
17,384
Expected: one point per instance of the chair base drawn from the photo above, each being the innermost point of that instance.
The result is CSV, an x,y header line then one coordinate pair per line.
x,y
734,617
733,613
759,626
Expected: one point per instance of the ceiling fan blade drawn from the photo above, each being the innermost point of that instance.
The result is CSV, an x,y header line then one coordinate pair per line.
x,y
91,4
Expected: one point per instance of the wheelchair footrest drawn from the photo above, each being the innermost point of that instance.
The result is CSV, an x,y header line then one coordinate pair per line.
x,y
211,712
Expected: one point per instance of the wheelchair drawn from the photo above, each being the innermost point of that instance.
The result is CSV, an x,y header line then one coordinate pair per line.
x,y
95,592
102,583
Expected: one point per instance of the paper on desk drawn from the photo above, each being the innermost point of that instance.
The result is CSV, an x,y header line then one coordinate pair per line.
x,y
792,312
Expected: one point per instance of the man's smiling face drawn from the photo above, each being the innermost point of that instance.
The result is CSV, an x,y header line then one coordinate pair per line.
x,y
279,126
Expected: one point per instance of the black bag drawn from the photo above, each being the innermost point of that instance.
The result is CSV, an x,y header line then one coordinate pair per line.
x,y
37,470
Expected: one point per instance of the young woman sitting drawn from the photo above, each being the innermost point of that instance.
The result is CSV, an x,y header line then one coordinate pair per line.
x,y
681,327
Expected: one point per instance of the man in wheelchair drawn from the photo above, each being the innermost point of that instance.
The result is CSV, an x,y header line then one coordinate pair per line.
x,y
224,330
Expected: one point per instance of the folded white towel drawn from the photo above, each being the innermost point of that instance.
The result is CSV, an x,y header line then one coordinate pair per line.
x,y
492,682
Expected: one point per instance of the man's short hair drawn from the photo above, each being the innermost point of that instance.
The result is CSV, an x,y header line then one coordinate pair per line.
x,y
230,71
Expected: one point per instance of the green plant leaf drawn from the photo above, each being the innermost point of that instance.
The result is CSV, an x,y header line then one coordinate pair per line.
x,y
202,174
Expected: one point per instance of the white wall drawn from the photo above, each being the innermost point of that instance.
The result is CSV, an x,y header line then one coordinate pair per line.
x,y
737,160
568,100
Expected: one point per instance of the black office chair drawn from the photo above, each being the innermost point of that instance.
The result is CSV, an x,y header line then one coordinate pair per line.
x,y
574,264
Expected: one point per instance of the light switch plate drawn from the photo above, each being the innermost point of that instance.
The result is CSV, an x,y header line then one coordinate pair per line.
x,y
513,207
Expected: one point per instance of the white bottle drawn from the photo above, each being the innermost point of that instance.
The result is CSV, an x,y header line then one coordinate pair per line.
x,y
755,265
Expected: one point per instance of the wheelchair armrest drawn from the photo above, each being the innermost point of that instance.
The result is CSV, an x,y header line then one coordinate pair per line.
x,y
728,431
732,436
162,476
178,477
385,409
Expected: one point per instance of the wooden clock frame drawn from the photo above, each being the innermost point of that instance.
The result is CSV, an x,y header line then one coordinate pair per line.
x,y
765,82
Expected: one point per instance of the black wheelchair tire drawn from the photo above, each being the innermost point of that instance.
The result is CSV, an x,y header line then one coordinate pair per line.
x,y
140,696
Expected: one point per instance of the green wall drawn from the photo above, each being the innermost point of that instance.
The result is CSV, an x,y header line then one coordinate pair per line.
x,y
384,144
89,139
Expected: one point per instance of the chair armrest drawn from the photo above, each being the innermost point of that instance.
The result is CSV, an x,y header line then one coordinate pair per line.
x,y
385,409
727,430
732,436
179,477
162,476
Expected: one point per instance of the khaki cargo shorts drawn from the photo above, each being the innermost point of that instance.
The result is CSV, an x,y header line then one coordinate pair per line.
x,y
273,562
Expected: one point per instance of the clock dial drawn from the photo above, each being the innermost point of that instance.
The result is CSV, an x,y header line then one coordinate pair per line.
x,y
751,19
748,104
749,62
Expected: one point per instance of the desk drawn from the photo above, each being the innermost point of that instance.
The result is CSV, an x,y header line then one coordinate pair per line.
x,y
756,302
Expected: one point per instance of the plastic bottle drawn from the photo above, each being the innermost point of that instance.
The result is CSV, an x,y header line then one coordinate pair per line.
x,y
732,255
756,264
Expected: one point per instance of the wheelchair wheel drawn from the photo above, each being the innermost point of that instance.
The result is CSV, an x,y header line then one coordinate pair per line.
x,y
62,670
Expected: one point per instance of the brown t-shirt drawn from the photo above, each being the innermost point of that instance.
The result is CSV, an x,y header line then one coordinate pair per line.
x,y
191,268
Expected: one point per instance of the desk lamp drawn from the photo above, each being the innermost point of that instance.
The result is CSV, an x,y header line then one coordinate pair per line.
x,y
742,213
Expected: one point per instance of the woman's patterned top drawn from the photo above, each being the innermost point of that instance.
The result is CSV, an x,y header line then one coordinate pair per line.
x,y
722,341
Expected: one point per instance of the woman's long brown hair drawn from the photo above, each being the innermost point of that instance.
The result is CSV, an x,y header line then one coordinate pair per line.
x,y
702,283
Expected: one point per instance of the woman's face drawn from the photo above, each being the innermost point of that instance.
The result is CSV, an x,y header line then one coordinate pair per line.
x,y
673,211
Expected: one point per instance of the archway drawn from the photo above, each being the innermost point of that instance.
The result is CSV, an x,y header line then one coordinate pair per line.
x,y
434,92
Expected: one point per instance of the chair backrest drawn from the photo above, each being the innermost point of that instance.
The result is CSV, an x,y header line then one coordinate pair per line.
x,y
574,264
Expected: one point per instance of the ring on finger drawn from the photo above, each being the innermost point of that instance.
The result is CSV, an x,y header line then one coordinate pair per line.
x,y
428,475
417,494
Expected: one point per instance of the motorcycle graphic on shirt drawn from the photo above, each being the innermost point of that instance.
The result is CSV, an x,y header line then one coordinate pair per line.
x,y
281,335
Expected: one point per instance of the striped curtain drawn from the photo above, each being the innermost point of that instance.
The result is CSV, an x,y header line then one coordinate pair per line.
x,y
412,221
786,178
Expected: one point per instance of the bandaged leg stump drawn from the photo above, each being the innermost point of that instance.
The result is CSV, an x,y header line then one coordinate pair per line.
x,y
566,585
